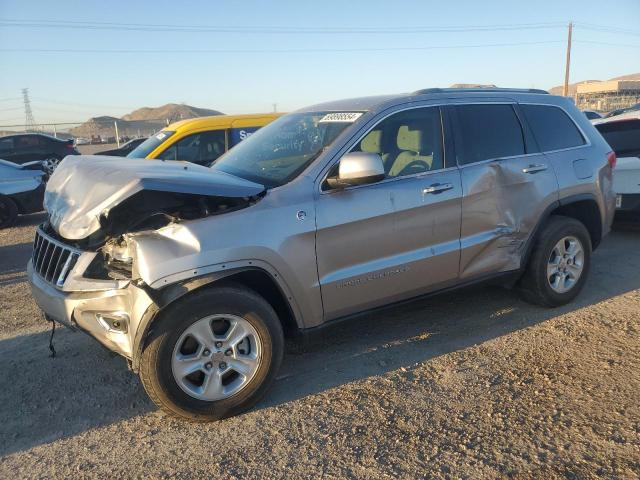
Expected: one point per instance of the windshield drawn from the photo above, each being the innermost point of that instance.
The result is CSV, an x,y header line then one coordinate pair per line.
x,y
150,144
279,152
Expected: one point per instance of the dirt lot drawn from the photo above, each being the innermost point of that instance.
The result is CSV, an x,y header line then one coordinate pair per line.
x,y
475,384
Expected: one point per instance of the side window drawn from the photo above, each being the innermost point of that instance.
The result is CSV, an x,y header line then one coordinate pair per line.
x,y
552,127
485,132
202,148
409,142
6,144
28,141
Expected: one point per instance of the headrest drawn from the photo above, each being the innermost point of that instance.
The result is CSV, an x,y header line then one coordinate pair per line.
x,y
413,139
372,142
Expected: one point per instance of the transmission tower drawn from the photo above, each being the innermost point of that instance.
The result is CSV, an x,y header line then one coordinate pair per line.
x,y
29,121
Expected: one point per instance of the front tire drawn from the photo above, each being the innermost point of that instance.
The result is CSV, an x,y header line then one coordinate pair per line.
x,y
559,264
212,354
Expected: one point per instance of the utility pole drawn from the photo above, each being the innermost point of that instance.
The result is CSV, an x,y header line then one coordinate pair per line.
x,y
115,123
565,90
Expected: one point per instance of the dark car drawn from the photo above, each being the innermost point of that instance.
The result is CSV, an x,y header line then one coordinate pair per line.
x,y
592,114
29,147
620,111
125,149
21,190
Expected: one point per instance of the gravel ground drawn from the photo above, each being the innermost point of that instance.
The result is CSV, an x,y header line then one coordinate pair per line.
x,y
476,384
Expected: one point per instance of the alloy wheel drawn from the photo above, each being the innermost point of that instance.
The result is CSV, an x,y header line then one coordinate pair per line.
x,y
565,265
216,357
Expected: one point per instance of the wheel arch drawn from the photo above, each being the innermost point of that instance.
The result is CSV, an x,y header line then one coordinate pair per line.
x,y
254,278
583,208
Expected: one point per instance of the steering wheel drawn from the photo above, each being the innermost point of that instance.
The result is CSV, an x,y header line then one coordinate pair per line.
x,y
416,166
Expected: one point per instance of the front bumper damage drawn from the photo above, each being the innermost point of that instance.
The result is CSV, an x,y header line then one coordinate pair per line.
x,y
111,316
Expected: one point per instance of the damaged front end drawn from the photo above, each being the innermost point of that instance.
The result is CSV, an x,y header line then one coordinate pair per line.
x,y
85,270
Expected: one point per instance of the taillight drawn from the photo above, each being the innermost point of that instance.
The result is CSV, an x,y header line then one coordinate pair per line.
x,y
70,146
612,159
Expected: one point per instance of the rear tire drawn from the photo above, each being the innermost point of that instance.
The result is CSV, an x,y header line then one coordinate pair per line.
x,y
8,211
559,263
177,336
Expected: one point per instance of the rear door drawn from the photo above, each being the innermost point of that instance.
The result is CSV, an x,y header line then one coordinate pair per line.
x,y
507,185
397,238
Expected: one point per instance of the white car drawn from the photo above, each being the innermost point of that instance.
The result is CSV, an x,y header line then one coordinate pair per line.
x,y
82,141
622,132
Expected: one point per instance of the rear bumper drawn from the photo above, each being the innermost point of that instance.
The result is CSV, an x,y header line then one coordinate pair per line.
x,y
94,312
630,208
630,203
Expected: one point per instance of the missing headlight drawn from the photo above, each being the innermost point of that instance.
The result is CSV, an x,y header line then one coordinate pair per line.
x,y
112,262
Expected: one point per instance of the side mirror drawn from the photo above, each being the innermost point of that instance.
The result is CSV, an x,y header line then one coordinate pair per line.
x,y
358,168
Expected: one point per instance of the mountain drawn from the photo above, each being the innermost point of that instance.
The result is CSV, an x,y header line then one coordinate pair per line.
x,y
573,86
143,121
171,111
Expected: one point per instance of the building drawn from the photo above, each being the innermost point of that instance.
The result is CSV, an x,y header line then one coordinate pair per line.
x,y
608,95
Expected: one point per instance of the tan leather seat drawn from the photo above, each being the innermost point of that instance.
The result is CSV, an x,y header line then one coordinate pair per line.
x,y
414,145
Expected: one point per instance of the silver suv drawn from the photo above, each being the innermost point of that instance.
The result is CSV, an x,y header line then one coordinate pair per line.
x,y
197,274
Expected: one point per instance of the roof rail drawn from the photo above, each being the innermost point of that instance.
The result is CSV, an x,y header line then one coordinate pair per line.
x,y
425,91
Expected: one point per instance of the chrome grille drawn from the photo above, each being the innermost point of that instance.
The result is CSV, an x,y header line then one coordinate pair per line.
x,y
52,260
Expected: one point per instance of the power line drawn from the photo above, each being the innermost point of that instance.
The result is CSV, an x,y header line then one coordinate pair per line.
x,y
271,29
310,50
90,105
286,50
607,29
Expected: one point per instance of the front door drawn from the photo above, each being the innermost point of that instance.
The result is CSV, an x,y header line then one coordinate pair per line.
x,y
397,238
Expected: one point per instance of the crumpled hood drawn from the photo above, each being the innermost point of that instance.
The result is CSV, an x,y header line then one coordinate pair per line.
x,y
85,187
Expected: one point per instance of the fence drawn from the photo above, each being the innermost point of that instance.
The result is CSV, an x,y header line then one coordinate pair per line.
x,y
94,131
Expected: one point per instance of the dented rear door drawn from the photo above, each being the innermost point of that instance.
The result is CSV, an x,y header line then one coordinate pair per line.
x,y
507,185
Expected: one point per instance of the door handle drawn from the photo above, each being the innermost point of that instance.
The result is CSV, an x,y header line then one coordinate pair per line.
x,y
534,168
437,188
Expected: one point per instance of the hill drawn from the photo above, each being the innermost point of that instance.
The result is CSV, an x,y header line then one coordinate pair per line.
x,y
171,111
143,121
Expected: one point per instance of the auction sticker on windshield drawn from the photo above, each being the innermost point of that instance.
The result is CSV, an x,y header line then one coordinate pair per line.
x,y
341,117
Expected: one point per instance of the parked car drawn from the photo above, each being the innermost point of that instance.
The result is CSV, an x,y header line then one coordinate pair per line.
x,y
21,190
623,135
124,149
29,147
201,140
82,141
195,274
592,114
619,111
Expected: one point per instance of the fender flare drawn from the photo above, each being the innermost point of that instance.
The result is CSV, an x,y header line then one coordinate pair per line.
x,y
545,216
164,296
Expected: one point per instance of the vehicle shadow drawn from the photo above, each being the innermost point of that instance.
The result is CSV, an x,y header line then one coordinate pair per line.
x,y
14,258
45,399
402,336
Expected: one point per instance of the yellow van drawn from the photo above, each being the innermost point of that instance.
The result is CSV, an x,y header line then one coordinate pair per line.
x,y
201,140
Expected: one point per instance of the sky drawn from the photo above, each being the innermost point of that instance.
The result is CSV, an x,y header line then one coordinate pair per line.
x,y
87,58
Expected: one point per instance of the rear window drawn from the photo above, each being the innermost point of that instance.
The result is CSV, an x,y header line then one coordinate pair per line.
x,y
552,127
485,132
622,136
